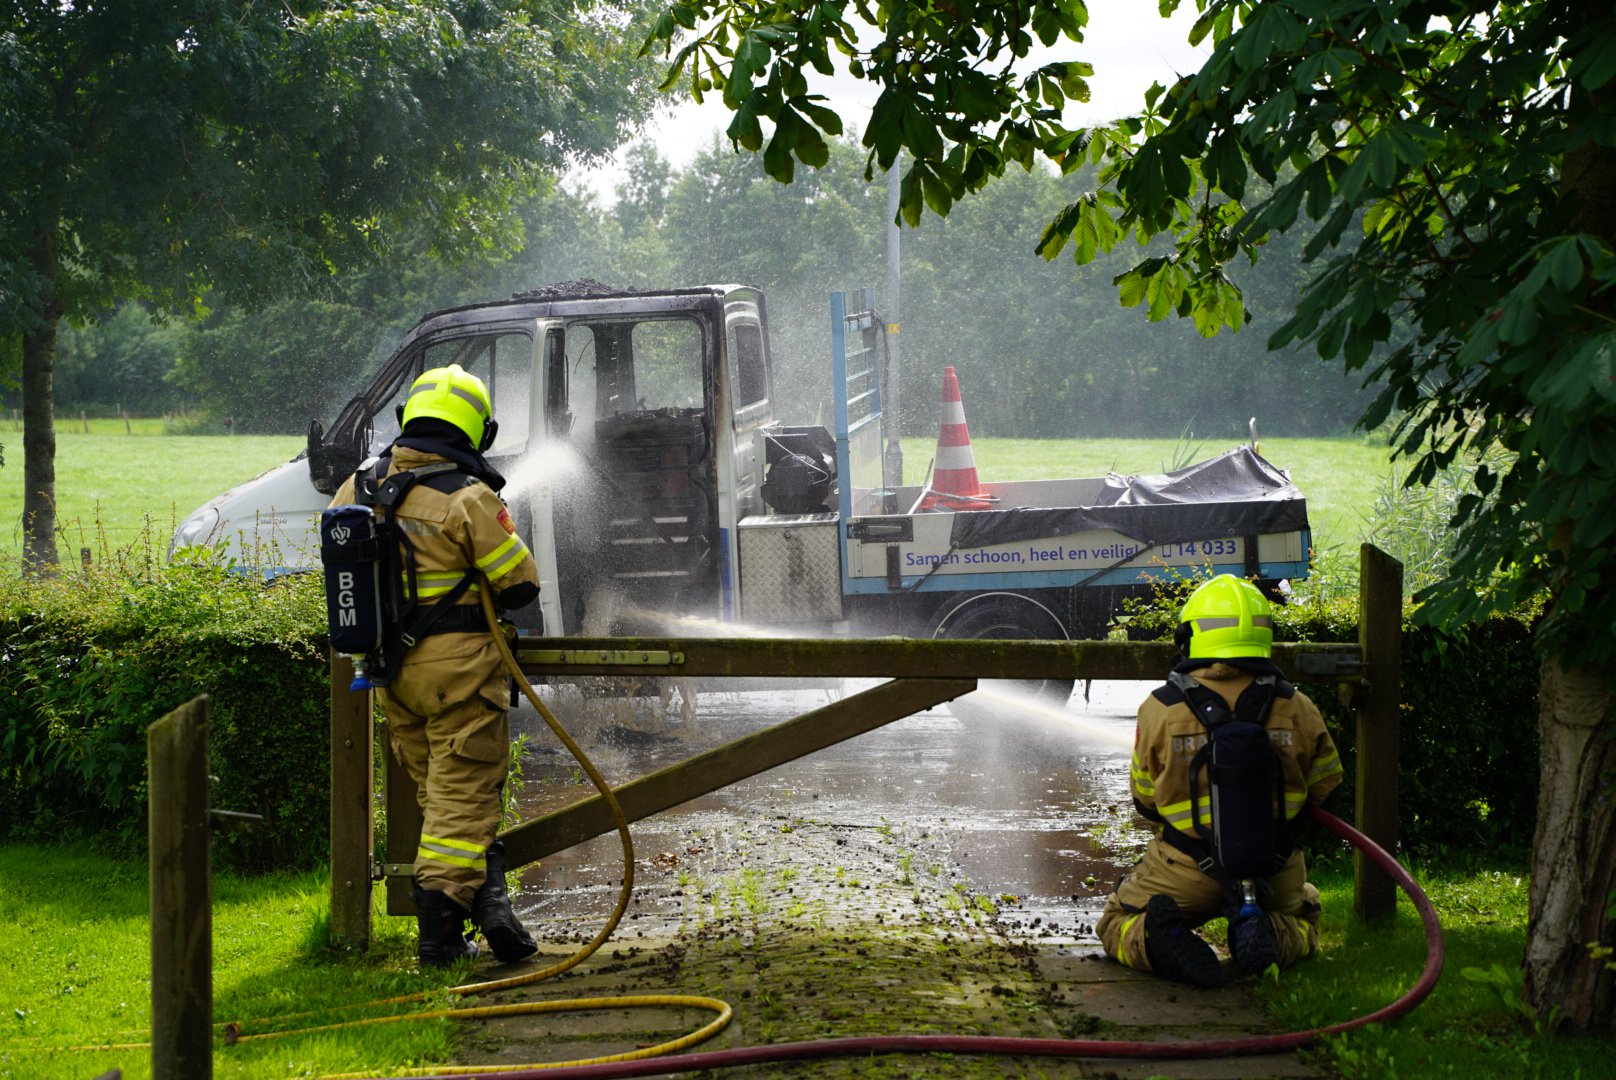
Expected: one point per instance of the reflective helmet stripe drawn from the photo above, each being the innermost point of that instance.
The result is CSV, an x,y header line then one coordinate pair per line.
x,y
476,402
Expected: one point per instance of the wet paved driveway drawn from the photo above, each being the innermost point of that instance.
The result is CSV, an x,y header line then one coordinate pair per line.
x,y
1022,801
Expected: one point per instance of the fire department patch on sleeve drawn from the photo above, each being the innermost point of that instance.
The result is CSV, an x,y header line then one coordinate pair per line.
x,y
505,520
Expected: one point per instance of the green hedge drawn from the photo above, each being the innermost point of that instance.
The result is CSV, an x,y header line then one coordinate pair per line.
x,y
92,658
1468,754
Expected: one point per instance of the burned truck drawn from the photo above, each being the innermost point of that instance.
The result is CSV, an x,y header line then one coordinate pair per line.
x,y
659,491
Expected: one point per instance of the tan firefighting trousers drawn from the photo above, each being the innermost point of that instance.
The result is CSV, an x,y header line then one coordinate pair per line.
x,y
448,728
1292,905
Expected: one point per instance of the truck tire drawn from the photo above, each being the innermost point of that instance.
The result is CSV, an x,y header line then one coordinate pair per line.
x,y
1005,616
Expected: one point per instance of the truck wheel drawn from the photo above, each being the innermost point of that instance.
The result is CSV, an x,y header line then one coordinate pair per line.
x,y
1005,616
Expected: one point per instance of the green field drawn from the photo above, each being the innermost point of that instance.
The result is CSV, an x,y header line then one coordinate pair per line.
x,y
113,487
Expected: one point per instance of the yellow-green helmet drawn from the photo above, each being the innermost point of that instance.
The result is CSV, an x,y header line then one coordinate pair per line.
x,y
454,395
1225,618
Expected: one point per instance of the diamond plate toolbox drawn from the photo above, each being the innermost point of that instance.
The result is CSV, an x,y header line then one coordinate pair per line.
x,y
791,568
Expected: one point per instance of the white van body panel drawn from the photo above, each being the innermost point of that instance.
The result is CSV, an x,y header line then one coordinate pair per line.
x,y
270,523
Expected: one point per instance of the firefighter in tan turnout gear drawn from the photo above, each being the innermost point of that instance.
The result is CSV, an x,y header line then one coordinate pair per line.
x,y
1226,755
445,708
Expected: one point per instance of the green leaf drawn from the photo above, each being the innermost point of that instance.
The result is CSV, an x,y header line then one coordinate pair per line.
x,y
1383,165
1061,228
1130,287
1202,27
1278,213
1594,63
1226,164
827,120
1518,323
744,128
938,196
910,201
1163,291
1276,112
1559,263
1570,382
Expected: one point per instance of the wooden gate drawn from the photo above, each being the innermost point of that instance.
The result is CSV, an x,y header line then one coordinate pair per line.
x,y
922,674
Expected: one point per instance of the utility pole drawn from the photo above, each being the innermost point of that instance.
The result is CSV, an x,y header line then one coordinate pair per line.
x,y
892,461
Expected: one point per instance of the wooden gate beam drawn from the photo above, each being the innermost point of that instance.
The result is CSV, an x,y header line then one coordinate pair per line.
x,y
732,762
885,658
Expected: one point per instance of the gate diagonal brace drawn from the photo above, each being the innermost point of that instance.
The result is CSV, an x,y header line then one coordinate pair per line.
x,y
728,764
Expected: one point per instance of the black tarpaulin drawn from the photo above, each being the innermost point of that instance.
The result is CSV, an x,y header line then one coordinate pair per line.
x,y
1234,494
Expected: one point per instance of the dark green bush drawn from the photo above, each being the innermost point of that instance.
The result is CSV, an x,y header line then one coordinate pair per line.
x,y
92,658
1468,753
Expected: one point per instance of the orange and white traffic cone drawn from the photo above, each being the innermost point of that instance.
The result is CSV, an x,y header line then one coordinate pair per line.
x,y
954,485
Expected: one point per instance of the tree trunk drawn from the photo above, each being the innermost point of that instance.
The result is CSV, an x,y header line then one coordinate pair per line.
x,y
39,448
1570,972
1568,975
39,400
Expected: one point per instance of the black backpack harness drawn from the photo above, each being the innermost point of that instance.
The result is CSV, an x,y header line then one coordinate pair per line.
x,y
1247,836
373,600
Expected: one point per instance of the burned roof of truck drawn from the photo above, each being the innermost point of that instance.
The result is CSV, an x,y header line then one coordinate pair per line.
x,y
582,289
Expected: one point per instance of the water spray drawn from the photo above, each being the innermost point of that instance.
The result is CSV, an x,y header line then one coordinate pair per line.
x,y
1042,709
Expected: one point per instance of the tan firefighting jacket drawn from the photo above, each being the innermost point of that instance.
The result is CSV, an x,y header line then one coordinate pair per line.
x,y
452,532
1168,736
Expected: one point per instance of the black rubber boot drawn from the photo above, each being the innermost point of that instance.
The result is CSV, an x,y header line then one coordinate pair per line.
x,y
1174,949
1253,943
442,924
491,911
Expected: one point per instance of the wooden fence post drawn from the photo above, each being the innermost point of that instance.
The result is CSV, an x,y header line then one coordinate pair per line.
x,y
181,894
403,833
1380,622
352,825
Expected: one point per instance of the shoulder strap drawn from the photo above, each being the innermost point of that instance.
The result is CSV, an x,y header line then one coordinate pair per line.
x,y
1168,694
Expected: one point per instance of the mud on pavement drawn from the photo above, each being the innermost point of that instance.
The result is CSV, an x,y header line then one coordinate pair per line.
x,y
932,877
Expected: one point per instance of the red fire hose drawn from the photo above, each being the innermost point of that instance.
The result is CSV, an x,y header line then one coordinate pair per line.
x,y
1082,1048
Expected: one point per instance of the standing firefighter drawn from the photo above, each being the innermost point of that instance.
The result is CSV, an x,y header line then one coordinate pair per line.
x,y
440,533
1225,757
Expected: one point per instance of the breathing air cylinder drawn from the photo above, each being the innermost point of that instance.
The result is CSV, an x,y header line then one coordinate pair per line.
x,y
1245,780
350,548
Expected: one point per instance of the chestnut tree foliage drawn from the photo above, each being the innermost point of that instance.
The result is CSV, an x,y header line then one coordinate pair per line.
x,y
157,149
1455,162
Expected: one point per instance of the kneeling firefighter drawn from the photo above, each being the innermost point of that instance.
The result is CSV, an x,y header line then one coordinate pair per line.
x,y
1226,755
421,527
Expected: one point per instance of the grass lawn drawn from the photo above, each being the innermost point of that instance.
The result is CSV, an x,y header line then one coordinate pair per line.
x,y
1472,1025
114,488
77,958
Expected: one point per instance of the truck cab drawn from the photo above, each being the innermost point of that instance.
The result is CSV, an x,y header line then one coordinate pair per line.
x,y
622,416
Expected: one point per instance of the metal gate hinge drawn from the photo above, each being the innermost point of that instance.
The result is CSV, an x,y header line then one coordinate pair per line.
x,y
1329,663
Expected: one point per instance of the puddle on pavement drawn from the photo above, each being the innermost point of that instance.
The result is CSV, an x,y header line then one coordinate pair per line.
x,y
1030,803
